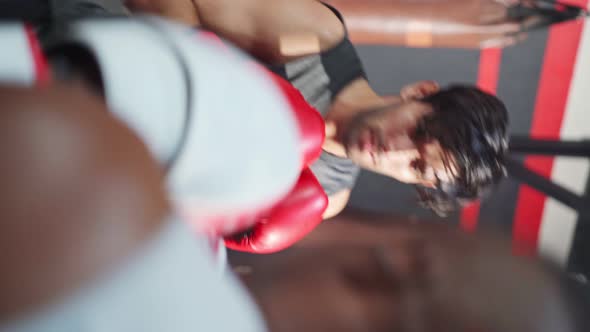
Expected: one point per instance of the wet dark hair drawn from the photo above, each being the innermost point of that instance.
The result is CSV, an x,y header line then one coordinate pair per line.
x,y
471,127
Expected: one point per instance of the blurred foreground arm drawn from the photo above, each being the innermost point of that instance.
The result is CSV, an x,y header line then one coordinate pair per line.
x,y
89,241
72,205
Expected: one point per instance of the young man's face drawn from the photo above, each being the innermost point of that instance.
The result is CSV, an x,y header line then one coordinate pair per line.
x,y
381,141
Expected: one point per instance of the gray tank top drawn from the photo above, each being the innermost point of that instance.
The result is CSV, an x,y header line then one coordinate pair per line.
x,y
319,78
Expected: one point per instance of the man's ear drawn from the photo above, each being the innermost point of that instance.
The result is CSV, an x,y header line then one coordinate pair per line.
x,y
419,90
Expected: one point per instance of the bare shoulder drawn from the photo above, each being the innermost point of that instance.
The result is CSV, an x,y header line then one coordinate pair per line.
x,y
262,25
319,18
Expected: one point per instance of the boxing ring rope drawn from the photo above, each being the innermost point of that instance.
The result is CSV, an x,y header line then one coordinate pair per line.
x,y
579,258
525,145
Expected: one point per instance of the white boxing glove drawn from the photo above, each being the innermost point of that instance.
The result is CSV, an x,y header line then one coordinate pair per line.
x,y
217,122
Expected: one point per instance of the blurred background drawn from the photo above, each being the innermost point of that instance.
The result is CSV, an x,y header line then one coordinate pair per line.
x,y
544,81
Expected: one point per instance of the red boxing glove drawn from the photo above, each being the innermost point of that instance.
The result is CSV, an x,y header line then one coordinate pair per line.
x,y
287,222
311,124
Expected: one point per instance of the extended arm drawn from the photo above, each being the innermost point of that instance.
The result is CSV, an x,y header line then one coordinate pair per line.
x,y
429,23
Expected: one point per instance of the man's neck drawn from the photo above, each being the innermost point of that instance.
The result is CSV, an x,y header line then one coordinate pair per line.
x,y
355,98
